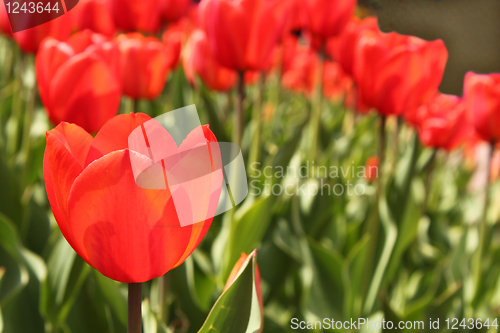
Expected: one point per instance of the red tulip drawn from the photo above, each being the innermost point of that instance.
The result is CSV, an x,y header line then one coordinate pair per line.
x,y
128,233
371,167
298,16
327,18
342,47
144,65
239,266
173,39
301,75
242,34
337,84
199,61
95,15
175,9
78,80
5,27
443,122
396,73
482,94
29,40
133,15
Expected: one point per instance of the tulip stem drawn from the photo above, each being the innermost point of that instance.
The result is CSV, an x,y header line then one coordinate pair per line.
x,y
134,320
257,118
238,117
372,228
136,105
483,244
316,109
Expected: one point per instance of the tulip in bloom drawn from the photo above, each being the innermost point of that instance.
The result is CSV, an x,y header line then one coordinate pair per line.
x,y
371,167
443,122
482,94
133,15
95,15
395,73
175,9
342,47
128,233
242,34
144,64
29,40
5,27
198,60
78,80
301,75
337,84
327,18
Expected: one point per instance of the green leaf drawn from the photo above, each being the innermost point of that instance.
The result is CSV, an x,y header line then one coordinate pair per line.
x,y
247,229
237,309
111,292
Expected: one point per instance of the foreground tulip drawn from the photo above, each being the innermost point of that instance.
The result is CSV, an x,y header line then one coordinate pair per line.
x,y
242,34
342,47
128,233
443,122
396,73
29,40
144,65
94,15
78,80
199,61
482,94
133,15
327,18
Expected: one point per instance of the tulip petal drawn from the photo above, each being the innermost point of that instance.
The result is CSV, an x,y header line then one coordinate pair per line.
x,y
128,233
114,135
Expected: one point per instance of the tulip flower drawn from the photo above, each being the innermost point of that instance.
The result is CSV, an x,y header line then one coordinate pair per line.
x,y
337,84
78,80
327,18
29,40
371,167
174,9
396,73
128,233
482,95
240,265
5,27
242,34
95,15
199,61
144,65
443,122
342,47
301,76
133,15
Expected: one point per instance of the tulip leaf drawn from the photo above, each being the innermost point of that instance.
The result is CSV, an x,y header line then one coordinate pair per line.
x,y
66,275
237,309
247,229
111,292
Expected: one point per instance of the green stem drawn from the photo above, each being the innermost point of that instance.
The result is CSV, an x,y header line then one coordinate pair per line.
x,y
316,109
257,119
428,180
164,283
136,105
372,229
134,320
483,245
238,117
